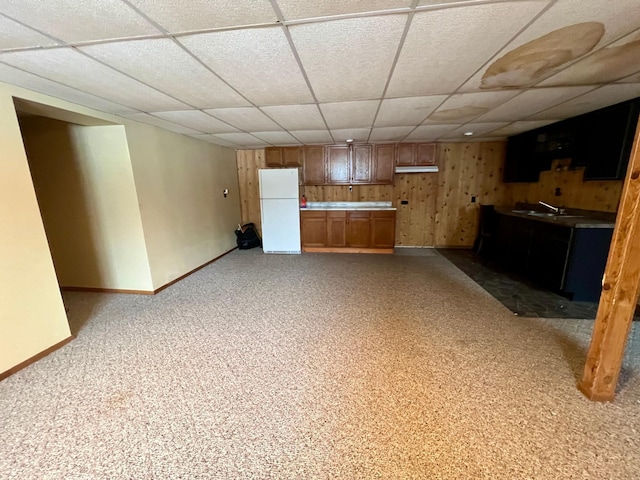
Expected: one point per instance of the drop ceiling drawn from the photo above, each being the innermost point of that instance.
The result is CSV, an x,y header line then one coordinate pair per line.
x,y
255,73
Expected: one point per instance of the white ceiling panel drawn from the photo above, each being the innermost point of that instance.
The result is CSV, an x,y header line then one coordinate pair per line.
x,y
242,139
73,69
296,117
531,102
593,100
349,114
215,140
295,9
478,129
519,127
445,47
15,35
158,122
566,43
33,82
79,20
356,134
164,65
464,107
258,62
277,138
429,132
245,118
197,120
205,14
407,111
311,137
341,66
389,134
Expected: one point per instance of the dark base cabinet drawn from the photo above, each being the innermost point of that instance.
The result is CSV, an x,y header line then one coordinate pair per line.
x,y
567,260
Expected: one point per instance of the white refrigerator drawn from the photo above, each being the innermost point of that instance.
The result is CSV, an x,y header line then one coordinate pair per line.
x,y
280,210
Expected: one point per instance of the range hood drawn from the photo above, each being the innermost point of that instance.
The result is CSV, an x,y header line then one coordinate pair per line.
x,y
422,169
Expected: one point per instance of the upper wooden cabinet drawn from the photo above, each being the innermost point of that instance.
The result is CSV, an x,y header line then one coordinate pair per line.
x,y
313,166
289,157
415,154
349,165
338,165
383,163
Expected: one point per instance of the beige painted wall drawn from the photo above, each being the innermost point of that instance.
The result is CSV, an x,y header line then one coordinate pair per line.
x,y
32,316
85,189
186,219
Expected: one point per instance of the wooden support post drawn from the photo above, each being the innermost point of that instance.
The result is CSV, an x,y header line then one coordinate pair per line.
x,y
619,291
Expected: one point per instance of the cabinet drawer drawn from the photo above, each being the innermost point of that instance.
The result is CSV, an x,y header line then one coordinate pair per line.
x,y
359,213
313,213
337,213
383,214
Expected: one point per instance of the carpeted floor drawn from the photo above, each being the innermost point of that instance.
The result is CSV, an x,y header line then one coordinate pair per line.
x,y
316,366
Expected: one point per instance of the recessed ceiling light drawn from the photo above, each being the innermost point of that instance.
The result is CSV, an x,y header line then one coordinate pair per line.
x,y
349,140
468,134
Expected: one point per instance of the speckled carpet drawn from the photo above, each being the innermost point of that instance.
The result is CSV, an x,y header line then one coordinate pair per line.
x,y
316,366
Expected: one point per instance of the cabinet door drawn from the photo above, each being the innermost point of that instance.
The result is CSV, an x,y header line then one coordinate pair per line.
x,y
405,154
383,228
425,154
383,164
273,157
314,228
337,228
358,229
361,164
313,166
338,171
291,156
548,254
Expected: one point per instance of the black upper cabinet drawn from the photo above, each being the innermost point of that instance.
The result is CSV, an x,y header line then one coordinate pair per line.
x,y
604,141
521,164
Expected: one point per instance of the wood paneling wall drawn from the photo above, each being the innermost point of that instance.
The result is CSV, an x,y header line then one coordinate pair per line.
x,y
249,161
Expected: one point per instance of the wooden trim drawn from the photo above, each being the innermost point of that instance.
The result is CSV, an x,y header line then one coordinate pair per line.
x,y
192,271
106,290
346,250
619,292
35,358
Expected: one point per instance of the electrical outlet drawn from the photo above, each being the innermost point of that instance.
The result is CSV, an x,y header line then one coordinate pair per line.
x,y
473,199
558,192
404,202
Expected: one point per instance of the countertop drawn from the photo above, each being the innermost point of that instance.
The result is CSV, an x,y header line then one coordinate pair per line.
x,y
572,218
348,206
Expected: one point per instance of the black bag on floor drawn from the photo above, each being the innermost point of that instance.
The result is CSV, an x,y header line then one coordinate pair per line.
x,y
247,237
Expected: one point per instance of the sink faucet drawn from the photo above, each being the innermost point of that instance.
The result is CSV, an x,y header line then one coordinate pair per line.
x,y
551,207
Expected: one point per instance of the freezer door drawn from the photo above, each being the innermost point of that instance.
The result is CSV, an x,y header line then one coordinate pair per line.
x,y
280,225
279,183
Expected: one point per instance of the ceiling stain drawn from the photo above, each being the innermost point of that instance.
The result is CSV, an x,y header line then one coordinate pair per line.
x,y
458,114
529,63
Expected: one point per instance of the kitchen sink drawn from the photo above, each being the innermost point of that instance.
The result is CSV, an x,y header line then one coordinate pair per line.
x,y
553,215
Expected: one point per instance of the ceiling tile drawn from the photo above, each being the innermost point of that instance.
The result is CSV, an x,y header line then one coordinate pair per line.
x,y
429,132
15,35
445,47
407,111
245,118
357,134
242,139
38,84
530,102
158,122
349,114
75,70
197,120
635,78
464,107
593,100
277,138
478,130
566,22
295,9
205,14
215,140
389,134
342,66
519,127
298,117
80,20
162,64
258,62
310,137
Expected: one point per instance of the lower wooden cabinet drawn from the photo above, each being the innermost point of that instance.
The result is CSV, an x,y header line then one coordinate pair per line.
x,y
361,230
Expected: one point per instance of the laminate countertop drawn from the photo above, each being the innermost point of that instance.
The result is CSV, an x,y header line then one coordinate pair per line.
x,y
348,206
573,218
